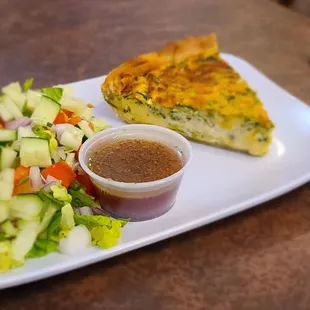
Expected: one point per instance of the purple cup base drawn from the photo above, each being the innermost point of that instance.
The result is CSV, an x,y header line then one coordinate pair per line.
x,y
137,209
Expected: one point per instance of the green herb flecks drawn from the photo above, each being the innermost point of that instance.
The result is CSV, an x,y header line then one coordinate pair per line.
x,y
144,95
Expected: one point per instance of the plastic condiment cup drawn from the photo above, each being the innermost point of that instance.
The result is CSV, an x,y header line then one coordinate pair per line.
x,y
137,201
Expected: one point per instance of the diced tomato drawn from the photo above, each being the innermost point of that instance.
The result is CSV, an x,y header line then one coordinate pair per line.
x,y
77,154
61,118
20,173
67,117
1,124
87,183
60,171
74,120
23,188
68,113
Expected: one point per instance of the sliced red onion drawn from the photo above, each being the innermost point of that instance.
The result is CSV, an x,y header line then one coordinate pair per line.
x,y
50,179
21,122
86,211
60,128
99,211
35,178
80,170
43,179
61,153
76,166
47,187
27,121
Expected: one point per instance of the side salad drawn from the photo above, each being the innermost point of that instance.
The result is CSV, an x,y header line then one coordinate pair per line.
x,y
47,202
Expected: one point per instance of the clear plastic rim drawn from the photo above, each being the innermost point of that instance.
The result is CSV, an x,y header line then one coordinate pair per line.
x,y
86,145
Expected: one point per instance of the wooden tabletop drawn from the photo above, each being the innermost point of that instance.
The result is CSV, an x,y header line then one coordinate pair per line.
x,y
259,259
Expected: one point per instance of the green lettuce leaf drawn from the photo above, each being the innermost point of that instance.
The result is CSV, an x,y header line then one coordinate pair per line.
x,y
60,193
42,247
26,111
46,203
105,237
43,132
67,217
54,93
2,237
53,144
81,199
75,185
27,84
6,260
105,231
53,229
91,221
50,198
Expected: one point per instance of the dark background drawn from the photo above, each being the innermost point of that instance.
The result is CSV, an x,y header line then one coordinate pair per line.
x,y
255,260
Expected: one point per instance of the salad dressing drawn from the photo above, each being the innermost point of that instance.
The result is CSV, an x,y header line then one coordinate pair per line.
x,y
135,161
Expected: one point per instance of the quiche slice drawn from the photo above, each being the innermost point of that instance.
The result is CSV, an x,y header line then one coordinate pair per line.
x,y
189,88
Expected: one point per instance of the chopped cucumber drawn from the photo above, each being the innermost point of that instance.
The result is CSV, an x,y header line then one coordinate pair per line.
x,y
16,145
4,211
5,114
25,132
66,90
70,159
7,135
99,124
73,104
9,229
11,88
46,111
55,156
10,105
84,125
33,99
24,240
88,113
7,157
35,152
14,91
22,132
51,210
6,190
27,206
72,138
6,184
67,217
7,175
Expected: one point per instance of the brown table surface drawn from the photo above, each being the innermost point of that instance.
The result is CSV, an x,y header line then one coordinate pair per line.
x,y
259,259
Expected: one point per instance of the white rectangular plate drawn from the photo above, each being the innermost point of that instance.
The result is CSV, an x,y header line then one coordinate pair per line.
x,y
217,184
